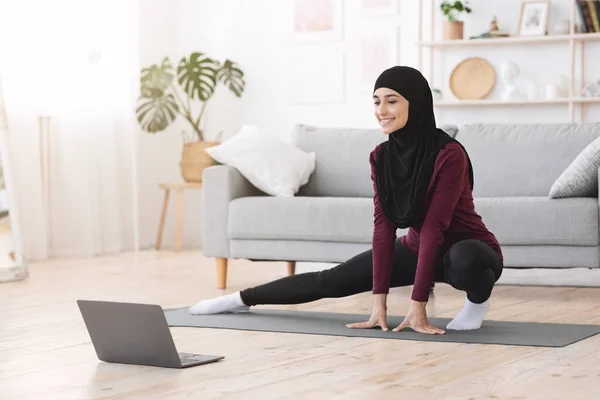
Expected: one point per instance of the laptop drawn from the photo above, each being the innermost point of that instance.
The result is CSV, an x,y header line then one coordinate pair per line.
x,y
130,333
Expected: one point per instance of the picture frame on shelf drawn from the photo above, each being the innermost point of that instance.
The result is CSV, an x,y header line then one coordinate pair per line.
x,y
317,20
533,20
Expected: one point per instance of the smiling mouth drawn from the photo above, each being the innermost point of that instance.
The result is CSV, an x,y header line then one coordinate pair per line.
x,y
386,121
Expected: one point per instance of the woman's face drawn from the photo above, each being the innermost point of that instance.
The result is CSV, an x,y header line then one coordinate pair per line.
x,y
391,110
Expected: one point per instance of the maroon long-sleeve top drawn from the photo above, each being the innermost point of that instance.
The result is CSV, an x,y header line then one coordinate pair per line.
x,y
450,216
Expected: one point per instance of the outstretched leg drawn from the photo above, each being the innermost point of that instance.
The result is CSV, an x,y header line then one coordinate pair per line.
x,y
474,267
348,278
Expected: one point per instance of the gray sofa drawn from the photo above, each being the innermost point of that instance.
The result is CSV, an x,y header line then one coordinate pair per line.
x,y
331,217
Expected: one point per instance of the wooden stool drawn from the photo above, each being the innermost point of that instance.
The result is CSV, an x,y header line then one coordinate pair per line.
x,y
179,188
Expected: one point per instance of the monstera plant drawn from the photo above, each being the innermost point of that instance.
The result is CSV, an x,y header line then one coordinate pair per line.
x,y
166,94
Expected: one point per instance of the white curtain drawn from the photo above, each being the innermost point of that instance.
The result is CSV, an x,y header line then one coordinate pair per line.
x,y
70,71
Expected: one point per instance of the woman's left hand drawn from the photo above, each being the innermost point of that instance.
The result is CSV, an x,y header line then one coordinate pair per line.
x,y
417,320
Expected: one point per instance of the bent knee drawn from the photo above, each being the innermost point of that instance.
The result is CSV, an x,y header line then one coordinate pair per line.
x,y
464,254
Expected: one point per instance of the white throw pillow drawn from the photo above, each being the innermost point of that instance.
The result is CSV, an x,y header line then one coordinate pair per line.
x,y
580,178
272,165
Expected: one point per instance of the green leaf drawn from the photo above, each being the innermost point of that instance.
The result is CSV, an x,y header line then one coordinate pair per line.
x,y
197,76
156,79
232,76
155,113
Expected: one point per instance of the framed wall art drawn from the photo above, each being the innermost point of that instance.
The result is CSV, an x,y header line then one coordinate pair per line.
x,y
375,50
317,20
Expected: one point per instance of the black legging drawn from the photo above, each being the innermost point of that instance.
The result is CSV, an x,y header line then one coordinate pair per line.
x,y
469,265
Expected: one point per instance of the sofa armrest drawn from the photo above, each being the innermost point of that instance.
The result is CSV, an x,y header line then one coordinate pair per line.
x,y
220,185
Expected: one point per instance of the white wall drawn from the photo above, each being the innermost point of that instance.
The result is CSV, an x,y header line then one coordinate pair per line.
x,y
255,33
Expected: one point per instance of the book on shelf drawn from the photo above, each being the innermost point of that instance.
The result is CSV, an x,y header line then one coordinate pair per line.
x,y
589,10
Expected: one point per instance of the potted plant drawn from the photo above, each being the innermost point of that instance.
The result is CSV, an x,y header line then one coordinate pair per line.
x,y
166,94
453,28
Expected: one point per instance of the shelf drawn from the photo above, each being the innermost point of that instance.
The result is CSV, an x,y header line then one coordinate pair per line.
x,y
571,46
578,37
499,102
586,100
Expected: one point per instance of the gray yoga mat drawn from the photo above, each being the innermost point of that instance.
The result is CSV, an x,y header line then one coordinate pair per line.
x,y
334,324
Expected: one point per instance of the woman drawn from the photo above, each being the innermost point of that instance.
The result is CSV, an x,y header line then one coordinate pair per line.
x,y
422,180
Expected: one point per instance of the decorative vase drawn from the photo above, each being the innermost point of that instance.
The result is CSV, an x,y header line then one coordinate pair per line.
x,y
453,30
562,27
551,91
194,160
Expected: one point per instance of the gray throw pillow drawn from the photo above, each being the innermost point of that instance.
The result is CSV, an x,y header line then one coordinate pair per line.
x,y
450,129
580,178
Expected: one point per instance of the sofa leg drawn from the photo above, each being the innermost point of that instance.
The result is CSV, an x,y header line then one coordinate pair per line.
x,y
291,267
221,273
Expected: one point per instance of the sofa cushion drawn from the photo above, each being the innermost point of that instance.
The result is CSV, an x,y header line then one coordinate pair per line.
x,y
450,129
302,218
514,220
522,159
541,220
342,166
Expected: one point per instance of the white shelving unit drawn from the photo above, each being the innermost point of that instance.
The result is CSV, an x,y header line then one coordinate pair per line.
x,y
577,37
573,39
498,102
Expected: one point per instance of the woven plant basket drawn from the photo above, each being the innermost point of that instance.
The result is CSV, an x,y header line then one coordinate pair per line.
x,y
453,30
194,160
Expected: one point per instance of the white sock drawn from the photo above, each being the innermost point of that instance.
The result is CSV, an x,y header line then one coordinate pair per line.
x,y
470,317
230,303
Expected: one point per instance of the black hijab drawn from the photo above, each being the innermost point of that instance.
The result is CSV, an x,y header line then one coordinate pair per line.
x,y
406,160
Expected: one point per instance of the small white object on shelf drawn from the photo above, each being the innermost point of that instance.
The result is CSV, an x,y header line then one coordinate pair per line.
x,y
562,27
533,90
592,90
551,91
510,72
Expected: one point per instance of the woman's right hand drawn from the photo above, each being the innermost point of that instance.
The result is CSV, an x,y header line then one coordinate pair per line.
x,y
378,315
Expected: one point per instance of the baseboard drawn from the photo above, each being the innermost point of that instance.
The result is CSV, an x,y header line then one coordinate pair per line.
x,y
12,274
576,277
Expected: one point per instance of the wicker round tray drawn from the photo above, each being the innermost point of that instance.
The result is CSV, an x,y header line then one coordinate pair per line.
x,y
472,79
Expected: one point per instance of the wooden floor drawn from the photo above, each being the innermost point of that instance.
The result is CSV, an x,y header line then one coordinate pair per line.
x,y
46,353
